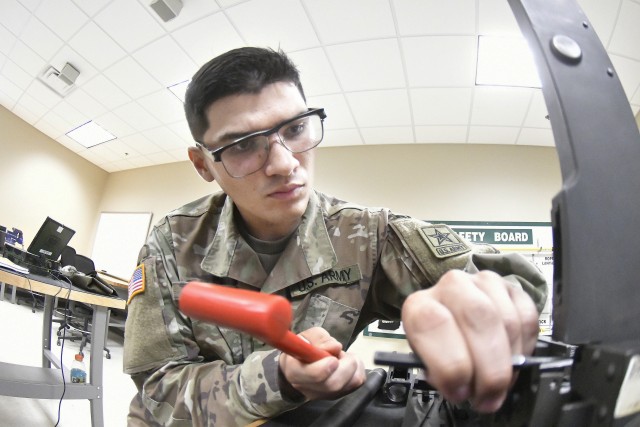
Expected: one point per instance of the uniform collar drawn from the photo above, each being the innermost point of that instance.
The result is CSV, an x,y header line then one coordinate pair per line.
x,y
308,253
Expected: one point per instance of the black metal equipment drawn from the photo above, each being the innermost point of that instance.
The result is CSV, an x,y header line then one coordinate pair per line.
x,y
595,217
596,229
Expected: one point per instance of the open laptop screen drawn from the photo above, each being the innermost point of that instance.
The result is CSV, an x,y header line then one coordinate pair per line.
x,y
50,239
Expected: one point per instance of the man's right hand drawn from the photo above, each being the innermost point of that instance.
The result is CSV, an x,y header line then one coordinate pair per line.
x,y
327,378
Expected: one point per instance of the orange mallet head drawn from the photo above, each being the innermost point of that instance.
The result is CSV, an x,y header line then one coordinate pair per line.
x,y
264,316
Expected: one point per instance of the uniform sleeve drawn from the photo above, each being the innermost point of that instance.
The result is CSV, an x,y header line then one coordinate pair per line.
x,y
176,385
416,254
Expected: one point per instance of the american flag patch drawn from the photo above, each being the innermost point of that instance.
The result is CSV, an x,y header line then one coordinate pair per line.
x,y
136,284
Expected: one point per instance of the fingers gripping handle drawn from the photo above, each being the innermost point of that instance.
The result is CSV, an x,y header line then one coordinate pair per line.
x,y
266,317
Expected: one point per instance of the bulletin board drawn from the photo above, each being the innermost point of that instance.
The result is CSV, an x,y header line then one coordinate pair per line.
x,y
533,240
118,241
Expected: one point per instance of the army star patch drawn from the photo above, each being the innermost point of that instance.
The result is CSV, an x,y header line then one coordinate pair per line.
x,y
443,241
136,284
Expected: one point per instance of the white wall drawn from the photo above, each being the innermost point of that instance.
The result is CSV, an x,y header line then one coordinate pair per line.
x,y
444,182
40,178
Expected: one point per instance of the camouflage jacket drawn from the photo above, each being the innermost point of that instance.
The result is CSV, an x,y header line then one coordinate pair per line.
x,y
344,267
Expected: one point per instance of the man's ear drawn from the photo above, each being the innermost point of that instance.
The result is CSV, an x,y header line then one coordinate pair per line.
x,y
199,161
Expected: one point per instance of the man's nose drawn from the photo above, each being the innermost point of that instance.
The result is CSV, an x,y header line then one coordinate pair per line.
x,y
281,161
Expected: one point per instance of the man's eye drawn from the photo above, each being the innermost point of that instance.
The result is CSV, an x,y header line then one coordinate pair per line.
x,y
295,129
244,146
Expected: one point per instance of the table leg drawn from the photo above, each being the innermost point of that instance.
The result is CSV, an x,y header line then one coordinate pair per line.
x,y
98,342
46,329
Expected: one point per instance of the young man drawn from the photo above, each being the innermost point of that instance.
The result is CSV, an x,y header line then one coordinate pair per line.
x,y
340,265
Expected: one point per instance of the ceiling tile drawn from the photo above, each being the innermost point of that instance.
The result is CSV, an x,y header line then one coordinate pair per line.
x,y
388,135
207,38
602,15
141,144
500,106
82,101
530,136
316,73
123,148
629,73
136,116
338,113
7,40
367,65
493,135
134,80
27,59
164,59
228,3
62,121
380,108
47,128
439,106
34,106
441,134
496,18
624,40
178,154
43,94
25,114
160,157
105,92
140,161
163,105
399,69
440,61
164,138
118,165
94,156
96,46
114,124
71,115
9,88
340,137
263,23
62,16
130,25
16,75
104,152
537,114
418,17
14,16
51,122
337,21
192,10
181,129
41,39
70,144
32,5
92,7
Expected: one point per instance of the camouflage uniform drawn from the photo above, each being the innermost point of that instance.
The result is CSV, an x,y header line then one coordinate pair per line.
x,y
344,267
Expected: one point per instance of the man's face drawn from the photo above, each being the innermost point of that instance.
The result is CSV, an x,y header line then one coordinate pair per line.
x,y
273,199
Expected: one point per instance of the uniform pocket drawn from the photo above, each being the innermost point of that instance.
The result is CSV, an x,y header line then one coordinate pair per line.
x,y
319,310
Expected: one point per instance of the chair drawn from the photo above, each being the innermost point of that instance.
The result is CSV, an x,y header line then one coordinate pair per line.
x,y
75,322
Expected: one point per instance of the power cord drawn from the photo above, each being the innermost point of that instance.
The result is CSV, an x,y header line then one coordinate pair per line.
x,y
61,278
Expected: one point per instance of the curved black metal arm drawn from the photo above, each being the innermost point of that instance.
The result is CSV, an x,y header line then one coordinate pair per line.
x,y
596,215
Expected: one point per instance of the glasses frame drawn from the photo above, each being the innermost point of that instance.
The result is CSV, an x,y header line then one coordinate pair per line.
x,y
217,153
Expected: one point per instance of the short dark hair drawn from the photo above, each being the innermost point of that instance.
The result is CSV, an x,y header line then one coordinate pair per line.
x,y
243,70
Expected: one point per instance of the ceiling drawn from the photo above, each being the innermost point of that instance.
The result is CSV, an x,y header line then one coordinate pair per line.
x,y
386,71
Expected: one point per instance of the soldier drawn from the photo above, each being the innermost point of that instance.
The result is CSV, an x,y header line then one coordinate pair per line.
x,y
341,266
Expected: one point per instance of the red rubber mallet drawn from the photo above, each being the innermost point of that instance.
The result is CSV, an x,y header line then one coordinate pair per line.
x,y
264,316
